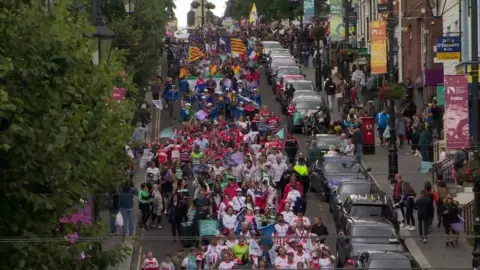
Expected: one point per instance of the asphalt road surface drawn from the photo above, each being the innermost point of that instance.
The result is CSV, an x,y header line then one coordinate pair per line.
x,y
160,241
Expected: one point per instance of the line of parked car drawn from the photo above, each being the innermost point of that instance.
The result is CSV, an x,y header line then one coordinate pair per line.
x,y
365,217
282,71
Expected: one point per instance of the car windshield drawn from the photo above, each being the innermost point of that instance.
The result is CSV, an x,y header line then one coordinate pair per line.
x,y
287,61
288,71
322,142
303,85
273,53
373,235
342,166
272,45
370,210
387,263
307,105
355,188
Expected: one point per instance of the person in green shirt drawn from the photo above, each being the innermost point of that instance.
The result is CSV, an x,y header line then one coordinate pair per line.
x,y
240,251
196,156
144,199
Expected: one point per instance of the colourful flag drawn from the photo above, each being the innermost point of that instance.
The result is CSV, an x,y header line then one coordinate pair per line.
x,y
167,133
194,53
281,134
237,46
253,14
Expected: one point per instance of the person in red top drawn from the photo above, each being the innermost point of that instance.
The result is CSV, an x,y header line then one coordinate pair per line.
x,y
273,121
288,187
291,109
150,263
264,112
231,188
162,155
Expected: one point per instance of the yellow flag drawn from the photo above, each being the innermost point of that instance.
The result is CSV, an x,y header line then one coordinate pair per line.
x,y
253,14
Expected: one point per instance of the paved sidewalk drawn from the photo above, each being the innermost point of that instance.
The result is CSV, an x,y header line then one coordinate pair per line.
x,y
434,254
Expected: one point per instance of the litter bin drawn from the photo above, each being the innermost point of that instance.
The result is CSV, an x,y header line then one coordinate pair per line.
x,y
368,134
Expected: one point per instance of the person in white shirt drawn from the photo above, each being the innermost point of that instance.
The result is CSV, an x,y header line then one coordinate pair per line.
x,y
290,263
231,240
443,155
251,172
278,168
301,255
350,148
301,234
331,152
300,218
217,168
238,202
293,194
229,220
227,263
215,250
150,262
224,204
152,171
288,214
281,231
281,259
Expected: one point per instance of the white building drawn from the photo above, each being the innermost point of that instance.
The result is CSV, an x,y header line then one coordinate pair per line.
x,y
451,27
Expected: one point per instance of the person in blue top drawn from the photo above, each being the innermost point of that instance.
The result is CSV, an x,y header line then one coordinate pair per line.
x,y
255,97
168,86
381,120
212,112
191,98
220,103
183,86
186,113
173,96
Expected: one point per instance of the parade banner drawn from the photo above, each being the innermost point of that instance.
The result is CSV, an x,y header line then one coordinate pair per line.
x,y
308,9
456,111
337,28
192,80
378,41
207,227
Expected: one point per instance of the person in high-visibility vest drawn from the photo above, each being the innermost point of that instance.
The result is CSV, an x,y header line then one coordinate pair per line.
x,y
302,169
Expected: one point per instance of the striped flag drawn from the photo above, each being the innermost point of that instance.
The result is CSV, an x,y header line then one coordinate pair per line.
x,y
237,46
194,53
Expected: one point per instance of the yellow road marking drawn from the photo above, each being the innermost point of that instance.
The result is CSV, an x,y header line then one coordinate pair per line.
x,y
139,263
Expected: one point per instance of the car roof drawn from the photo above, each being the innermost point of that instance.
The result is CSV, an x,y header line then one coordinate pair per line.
x,y
270,42
303,81
368,199
357,182
285,67
282,56
390,255
306,95
340,158
377,222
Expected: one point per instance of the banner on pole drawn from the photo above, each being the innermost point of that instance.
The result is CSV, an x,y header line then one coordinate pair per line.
x,y
308,9
456,111
378,41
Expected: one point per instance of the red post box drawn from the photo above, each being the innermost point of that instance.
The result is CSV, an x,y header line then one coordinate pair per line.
x,y
368,132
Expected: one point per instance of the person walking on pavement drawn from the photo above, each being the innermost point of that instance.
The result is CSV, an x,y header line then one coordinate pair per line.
x,y
157,88
144,199
113,208
450,216
402,190
400,127
176,215
305,56
127,194
330,89
423,208
381,120
291,147
319,229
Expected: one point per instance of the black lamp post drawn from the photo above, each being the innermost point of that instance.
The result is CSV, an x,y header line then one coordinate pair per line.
x,y
130,6
476,129
102,38
392,151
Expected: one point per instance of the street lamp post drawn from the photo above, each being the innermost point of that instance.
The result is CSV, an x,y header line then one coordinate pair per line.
x,y
392,151
203,12
476,129
103,37
130,6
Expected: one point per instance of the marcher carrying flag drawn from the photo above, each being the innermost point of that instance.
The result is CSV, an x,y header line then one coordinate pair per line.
x,y
237,46
194,53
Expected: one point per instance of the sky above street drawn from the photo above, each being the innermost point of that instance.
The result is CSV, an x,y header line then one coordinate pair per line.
x,y
183,7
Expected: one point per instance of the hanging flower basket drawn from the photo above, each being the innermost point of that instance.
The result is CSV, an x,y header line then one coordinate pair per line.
x,y
391,91
348,55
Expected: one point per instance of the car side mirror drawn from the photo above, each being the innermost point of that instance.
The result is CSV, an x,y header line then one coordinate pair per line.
x,y
369,169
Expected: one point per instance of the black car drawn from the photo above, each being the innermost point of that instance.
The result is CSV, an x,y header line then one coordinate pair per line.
x,y
387,260
327,173
276,62
324,141
357,236
367,206
350,187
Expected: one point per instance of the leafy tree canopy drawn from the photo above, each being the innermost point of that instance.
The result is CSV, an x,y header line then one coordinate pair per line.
x,y
61,138
270,10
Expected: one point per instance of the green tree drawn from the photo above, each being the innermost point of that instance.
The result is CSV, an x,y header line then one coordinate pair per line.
x,y
61,138
141,36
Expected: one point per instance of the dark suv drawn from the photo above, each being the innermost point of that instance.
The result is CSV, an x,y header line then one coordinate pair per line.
x,y
357,236
367,206
387,260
